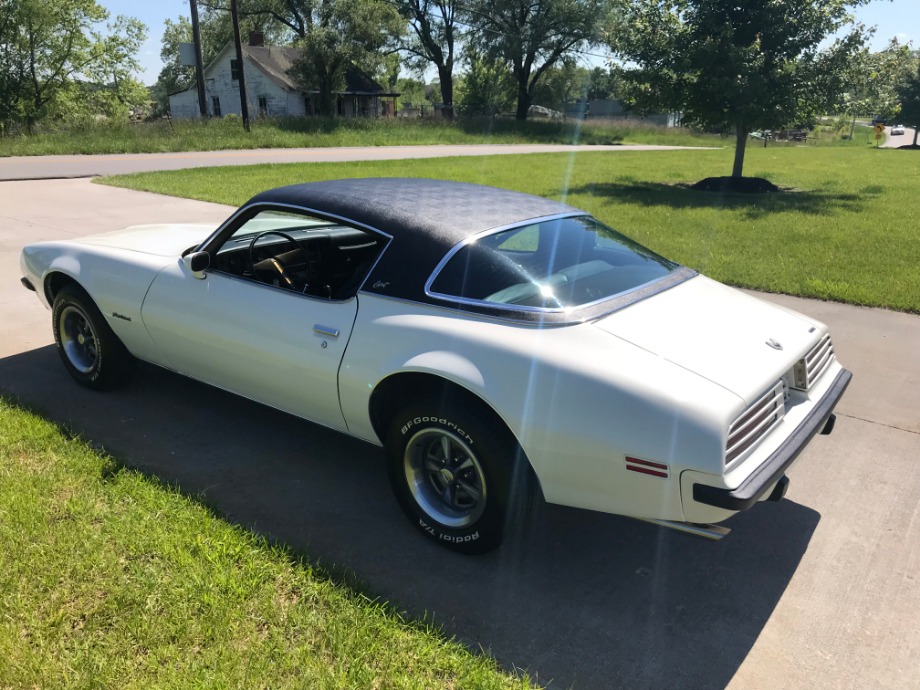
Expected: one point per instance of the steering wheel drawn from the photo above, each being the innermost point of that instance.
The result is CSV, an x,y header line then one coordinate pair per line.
x,y
273,261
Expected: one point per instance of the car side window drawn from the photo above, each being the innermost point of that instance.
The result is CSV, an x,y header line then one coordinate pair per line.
x,y
299,252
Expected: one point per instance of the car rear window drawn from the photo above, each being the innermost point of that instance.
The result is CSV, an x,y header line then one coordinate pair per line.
x,y
556,264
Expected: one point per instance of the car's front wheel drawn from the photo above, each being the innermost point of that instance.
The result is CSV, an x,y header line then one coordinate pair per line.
x,y
90,351
458,476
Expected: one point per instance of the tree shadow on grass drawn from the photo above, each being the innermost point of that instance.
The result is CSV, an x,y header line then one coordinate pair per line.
x,y
581,599
677,196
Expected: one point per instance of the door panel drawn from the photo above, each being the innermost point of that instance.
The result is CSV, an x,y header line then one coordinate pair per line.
x,y
266,343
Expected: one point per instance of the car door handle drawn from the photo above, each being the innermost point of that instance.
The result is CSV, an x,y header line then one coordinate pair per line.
x,y
326,330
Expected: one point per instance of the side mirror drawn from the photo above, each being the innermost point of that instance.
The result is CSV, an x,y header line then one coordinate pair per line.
x,y
197,263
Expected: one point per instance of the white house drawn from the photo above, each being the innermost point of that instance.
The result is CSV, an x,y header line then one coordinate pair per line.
x,y
271,92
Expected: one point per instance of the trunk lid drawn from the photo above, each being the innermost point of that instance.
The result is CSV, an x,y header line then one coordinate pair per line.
x,y
719,333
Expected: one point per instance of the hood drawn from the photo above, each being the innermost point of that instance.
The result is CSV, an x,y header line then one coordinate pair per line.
x,y
160,240
717,332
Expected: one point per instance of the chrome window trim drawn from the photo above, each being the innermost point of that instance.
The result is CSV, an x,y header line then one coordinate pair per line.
x,y
521,308
486,233
478,316
229,226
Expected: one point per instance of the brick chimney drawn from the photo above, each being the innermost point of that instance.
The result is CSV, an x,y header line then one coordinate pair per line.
x,y
256,38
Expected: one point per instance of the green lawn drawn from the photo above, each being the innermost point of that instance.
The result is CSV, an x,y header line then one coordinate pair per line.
x,y
227,133
108,579
845,229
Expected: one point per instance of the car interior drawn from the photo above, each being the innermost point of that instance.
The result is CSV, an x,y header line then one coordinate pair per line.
x,y
317,259
558,265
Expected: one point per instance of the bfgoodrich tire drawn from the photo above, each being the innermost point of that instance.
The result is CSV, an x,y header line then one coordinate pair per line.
x,y
459,477
92,354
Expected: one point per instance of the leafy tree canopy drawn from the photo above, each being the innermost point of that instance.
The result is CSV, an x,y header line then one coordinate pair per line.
x,y
874,78
331,33
735,64
487,87
50,51
532,37
431,40
908,93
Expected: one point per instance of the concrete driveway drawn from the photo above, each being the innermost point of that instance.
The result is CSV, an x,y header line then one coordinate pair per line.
x,y
819,591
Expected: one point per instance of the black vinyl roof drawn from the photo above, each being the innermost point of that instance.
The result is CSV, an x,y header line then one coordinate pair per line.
x,y
426,218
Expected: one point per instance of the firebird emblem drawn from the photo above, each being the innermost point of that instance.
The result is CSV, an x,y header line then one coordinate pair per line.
x,y
774,344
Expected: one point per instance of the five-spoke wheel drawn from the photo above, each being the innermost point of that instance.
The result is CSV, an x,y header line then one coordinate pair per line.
x,y
457,472
90,350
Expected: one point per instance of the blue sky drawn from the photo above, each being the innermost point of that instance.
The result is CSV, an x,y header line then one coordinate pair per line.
x,y
899,18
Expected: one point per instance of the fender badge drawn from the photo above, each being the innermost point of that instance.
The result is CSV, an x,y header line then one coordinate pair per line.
x,y
774,344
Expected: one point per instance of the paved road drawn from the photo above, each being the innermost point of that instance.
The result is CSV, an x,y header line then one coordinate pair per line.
x,y
820,591
50,167
893,142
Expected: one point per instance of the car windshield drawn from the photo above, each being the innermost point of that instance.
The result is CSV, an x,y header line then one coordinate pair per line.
x,y
556,264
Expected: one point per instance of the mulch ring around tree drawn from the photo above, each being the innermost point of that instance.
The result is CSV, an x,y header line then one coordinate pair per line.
x,y
909,147
743,185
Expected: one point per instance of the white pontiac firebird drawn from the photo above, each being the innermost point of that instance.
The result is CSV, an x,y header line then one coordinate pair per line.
x,y
497,344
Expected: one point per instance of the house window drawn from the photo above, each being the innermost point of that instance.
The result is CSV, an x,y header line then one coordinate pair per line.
x,y
215,105
263,106
234,69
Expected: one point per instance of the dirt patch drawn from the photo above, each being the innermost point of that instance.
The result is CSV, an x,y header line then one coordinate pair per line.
x,y
742,185
909,147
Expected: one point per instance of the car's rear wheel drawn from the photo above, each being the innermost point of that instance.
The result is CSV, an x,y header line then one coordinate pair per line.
x,y
459,477
92,354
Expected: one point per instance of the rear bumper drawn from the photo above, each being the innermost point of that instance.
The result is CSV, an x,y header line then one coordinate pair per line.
x,y
773,469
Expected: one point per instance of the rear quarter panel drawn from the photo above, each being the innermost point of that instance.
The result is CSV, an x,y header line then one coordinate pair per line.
x,y
577,399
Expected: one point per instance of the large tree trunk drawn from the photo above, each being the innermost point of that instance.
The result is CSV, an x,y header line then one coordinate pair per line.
x,y
445,74
326,98
523,101
741,137
916,132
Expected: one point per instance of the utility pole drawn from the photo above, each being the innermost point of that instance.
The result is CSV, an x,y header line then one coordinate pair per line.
x,y
199,66
244,106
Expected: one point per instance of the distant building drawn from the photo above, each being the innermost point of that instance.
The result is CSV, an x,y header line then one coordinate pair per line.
x,y
270,90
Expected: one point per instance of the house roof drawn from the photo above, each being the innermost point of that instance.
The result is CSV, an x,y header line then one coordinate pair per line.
x,y
276,62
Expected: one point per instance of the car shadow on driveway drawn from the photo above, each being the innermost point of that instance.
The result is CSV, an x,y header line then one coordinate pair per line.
x,y
580,600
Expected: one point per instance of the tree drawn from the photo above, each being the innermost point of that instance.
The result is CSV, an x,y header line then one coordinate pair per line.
x,y
908,93
533,35
431,40
873,80
340,33
487,87
332,34
732,65
47,48
565,82
604,83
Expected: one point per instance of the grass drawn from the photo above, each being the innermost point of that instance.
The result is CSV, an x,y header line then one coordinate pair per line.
x,y
846,229
227,133
110,579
